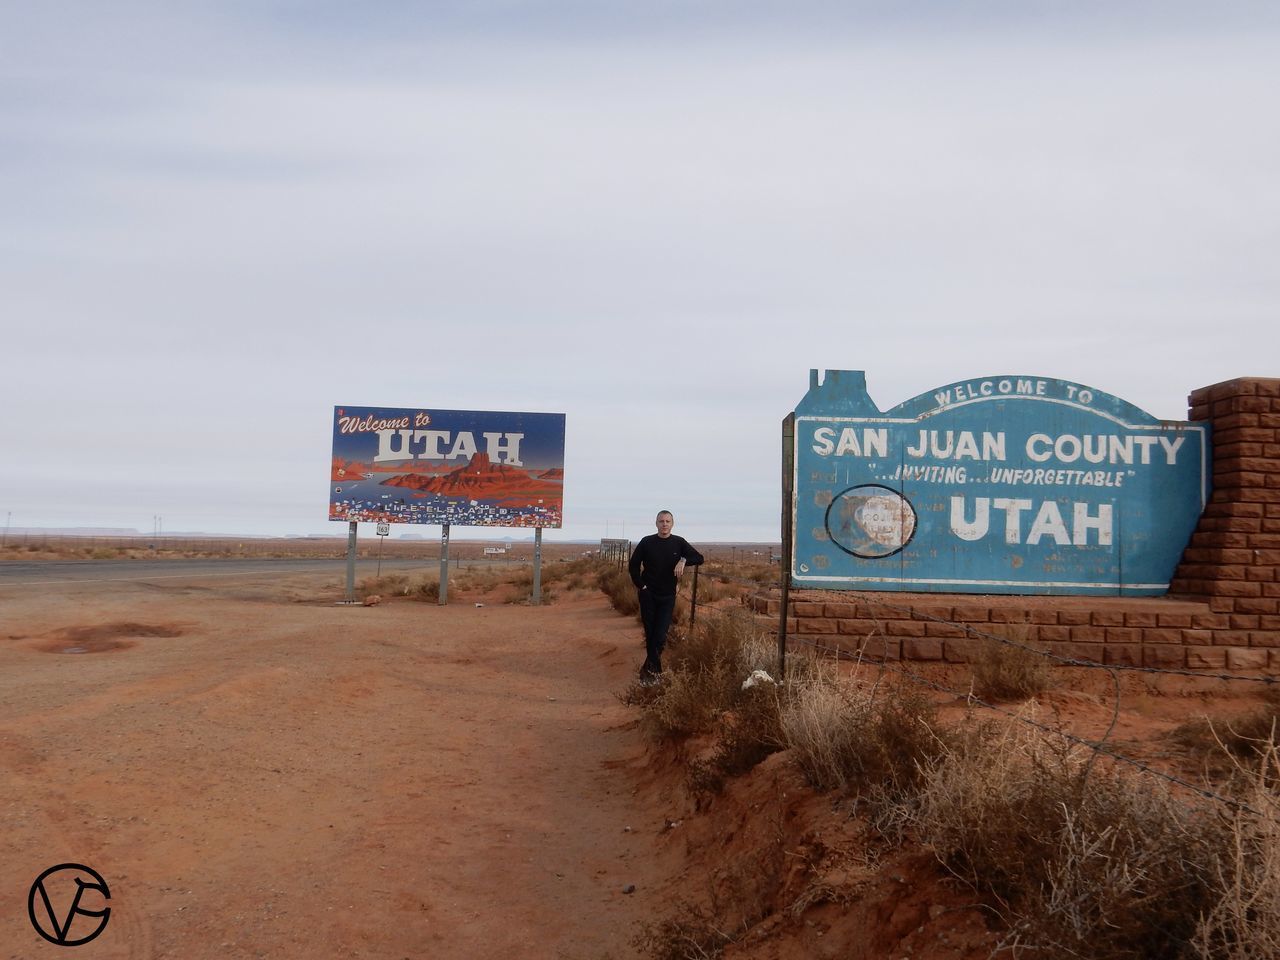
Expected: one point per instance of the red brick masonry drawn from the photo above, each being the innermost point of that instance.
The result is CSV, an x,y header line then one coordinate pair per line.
x,y
1147,631
1223,610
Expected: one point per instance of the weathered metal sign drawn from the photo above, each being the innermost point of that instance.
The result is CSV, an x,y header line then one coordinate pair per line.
x,y
1009,484
461,467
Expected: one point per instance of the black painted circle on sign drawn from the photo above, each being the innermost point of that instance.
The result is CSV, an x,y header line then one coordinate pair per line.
x,y
871,521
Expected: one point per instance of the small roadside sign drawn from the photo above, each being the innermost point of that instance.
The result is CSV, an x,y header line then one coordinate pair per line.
x,y
384,529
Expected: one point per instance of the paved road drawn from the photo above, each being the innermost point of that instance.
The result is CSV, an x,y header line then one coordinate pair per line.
x,y
20,573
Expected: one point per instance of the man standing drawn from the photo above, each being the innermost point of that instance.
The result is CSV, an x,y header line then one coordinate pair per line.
x,y
657,563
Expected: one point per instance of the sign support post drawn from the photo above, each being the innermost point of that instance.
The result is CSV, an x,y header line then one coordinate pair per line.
x,y
444,565
537,567
788,544
384,529
351,562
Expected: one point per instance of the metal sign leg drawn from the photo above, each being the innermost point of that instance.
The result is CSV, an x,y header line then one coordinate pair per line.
x,y
444,565
351,561
536,600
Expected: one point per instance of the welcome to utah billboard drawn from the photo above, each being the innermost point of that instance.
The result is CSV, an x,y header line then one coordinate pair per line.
x,y
1009,484
464,467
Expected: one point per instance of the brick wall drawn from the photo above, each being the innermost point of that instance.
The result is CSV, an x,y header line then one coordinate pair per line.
x,y
1234,555
1141,631
1222,612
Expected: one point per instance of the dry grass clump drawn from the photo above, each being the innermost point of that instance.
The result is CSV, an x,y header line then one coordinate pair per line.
x,y
1006,672
617,586
388,585
745,736
719,635
821,724
522,578
574,574
852,736
710,590
689,700
740,893
1219,743
765,574
702,692
1244,921
1078,856
1080,859
690,933
399,585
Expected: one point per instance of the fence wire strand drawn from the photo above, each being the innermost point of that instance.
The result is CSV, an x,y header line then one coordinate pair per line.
x,y
970,630
1097,747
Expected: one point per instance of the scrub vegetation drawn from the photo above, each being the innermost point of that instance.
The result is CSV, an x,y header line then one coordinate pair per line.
x,y
1071,855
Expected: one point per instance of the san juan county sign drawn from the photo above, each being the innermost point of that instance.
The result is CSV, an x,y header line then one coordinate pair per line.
x,y
1008,484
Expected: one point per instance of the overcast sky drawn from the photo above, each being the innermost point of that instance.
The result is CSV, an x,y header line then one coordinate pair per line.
x,y
218,220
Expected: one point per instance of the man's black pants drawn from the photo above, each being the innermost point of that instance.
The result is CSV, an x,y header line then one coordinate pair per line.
x,y
655,613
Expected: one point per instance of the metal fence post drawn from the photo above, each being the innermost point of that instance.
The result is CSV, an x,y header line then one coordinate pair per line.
x,y
693,603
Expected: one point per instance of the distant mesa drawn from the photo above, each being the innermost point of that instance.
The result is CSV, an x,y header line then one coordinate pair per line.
x,y
481,479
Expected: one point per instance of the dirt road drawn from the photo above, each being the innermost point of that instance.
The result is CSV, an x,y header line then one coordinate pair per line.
x,y
258,772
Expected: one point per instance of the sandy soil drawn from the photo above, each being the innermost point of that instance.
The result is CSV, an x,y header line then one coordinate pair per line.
x,y
259,772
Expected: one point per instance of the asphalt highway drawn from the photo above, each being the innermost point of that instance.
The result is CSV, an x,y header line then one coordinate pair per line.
x,y
42,572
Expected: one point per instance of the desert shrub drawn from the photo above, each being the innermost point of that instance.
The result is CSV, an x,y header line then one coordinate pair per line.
x,y
689,700
717,636
1220,743
573,573
1080,859
688,934
617,586
1244,921
576,581
765,574
1006,672
821,723
702,692
745,735
429,591
848,736
741,892
710,590
480,580
759,650
388,585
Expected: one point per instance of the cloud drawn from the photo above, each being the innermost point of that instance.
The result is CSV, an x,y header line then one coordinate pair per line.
x,y
222,219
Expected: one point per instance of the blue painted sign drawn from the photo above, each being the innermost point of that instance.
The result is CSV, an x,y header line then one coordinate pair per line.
x,y
1009,484
462,467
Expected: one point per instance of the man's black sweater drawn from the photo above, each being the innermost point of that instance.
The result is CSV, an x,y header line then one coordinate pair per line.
x,y
653,562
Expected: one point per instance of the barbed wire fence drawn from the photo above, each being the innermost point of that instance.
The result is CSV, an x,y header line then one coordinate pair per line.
x,y
1098,748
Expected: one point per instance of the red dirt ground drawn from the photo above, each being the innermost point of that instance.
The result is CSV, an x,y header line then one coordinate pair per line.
x,y
258,772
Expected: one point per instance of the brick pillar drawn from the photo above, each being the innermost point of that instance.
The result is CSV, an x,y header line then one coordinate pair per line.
x,y
1233,560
